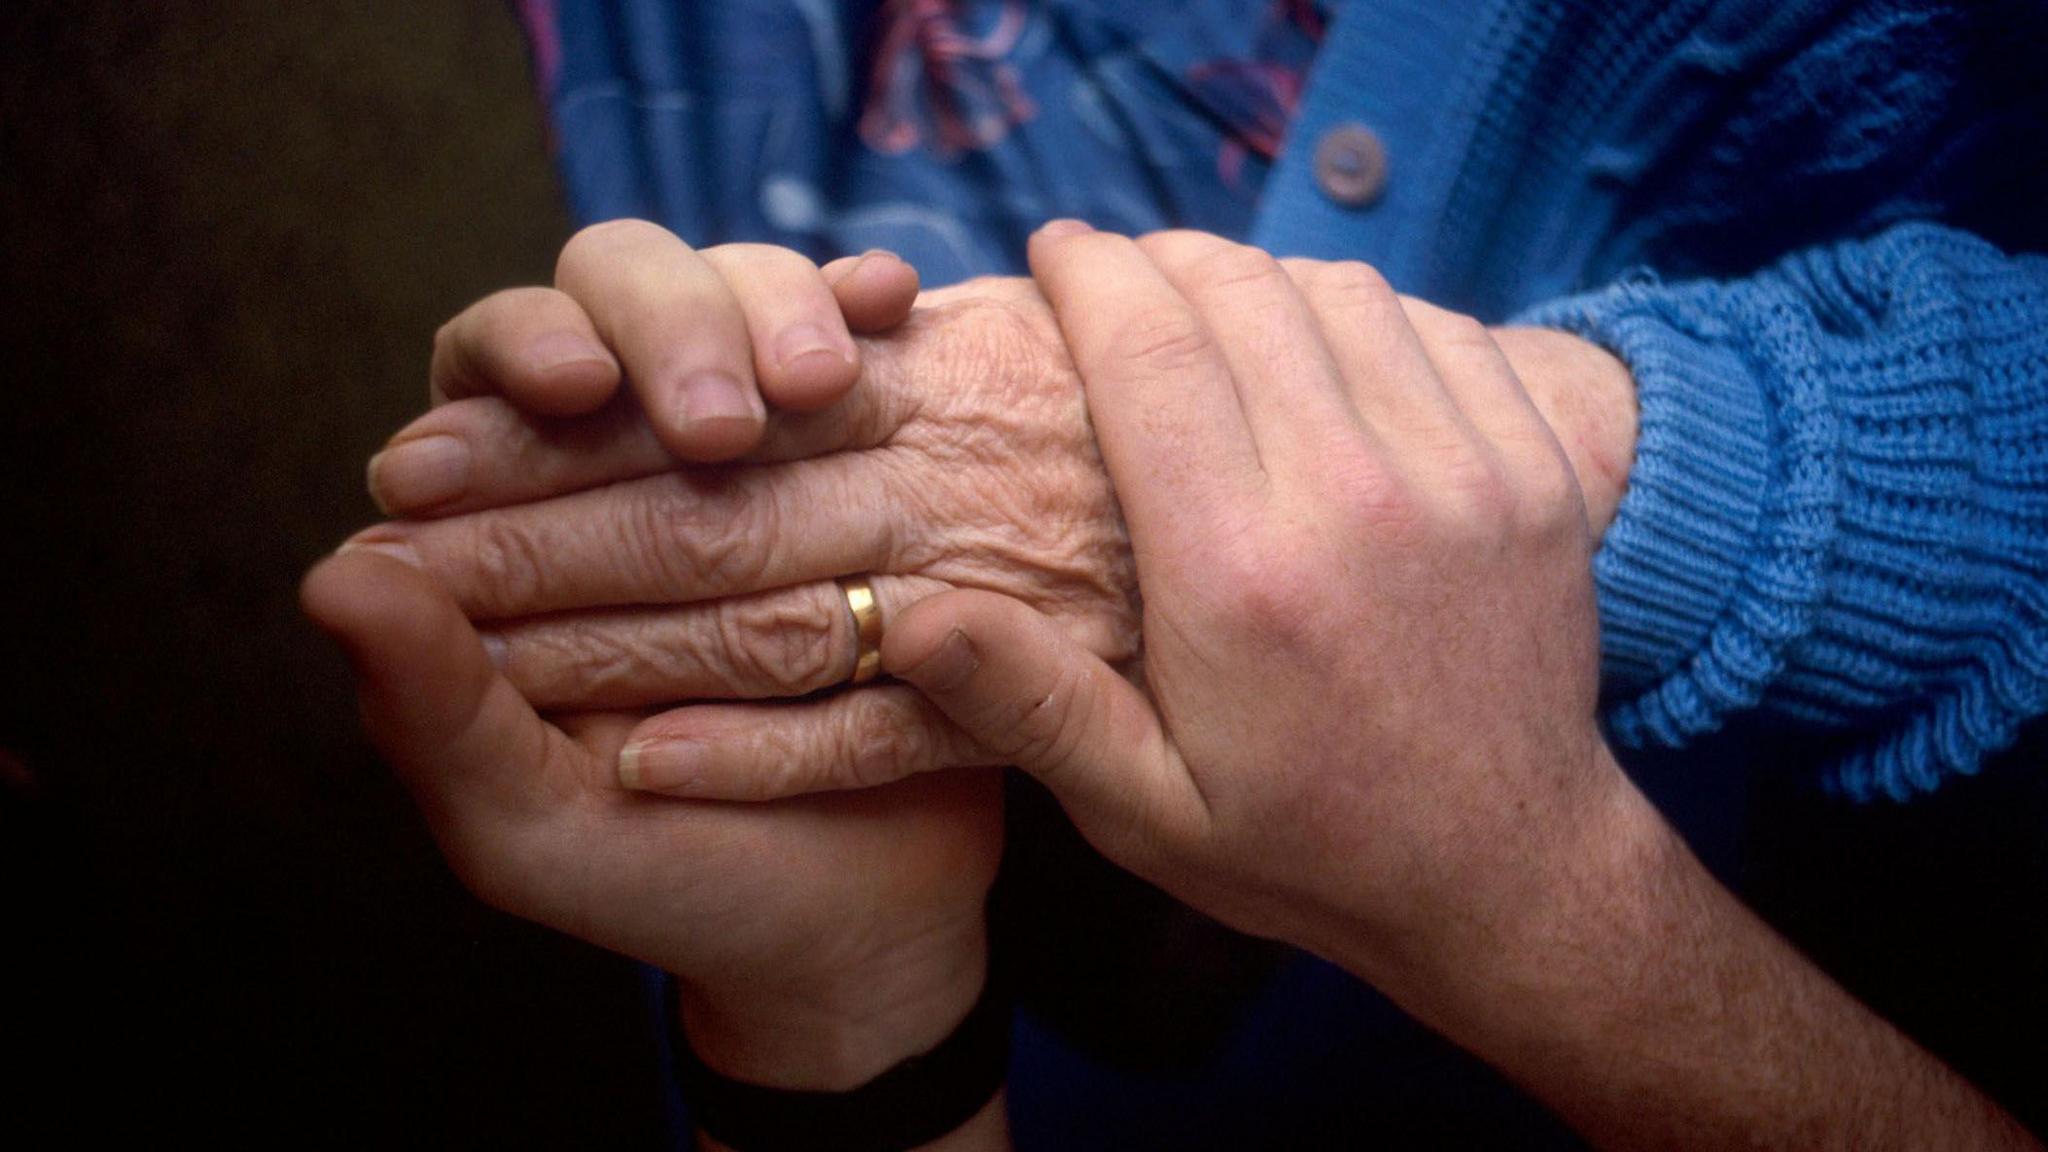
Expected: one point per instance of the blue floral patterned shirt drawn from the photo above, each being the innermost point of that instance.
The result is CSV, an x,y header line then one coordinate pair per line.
x,y
943,131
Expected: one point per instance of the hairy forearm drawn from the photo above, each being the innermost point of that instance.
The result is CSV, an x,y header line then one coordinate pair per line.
x,y
1650,1009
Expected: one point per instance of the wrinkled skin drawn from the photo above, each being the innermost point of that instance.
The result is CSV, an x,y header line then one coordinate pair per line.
x,y
962,459
817,940
969,463
788,897
606,579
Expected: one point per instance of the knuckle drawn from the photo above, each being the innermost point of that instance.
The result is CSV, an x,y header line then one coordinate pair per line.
x,y
744,256
509,564
1479,500
880,746
1171,244
1277,600
775,646
696,539
1548,500
994,338
1230,268
1162,340
1371,500
733,552
1302,269
596,662
1006,333
788,760
595,244
1464,337
1353,284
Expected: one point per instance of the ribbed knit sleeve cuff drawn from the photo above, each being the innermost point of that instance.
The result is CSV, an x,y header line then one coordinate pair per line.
x,y
1682,639
1838,509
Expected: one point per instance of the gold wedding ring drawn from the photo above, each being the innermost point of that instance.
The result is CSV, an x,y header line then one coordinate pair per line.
x,y
867,628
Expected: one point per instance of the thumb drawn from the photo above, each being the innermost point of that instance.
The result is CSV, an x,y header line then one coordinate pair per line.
x,y
1027,693
432,701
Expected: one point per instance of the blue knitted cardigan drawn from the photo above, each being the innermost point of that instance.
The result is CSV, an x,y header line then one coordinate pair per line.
x,y
1799,223
1805,226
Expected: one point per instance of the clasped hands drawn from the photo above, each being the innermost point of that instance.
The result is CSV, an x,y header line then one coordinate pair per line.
x,y
1279,581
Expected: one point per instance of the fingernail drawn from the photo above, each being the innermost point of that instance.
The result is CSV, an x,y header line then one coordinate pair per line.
x,y
420,473
496,649
560,349
396,549
877,257
809,342
1057,229
661,765
948,666
712,396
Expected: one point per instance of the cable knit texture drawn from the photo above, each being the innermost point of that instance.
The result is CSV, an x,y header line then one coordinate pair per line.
x,y
1839,507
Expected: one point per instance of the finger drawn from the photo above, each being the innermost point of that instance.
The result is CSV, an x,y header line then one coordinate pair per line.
x,y
1292,395
676,327
863,738
1032,697
1481,381
484,452
782,643
697,534
876,290
804,356
432,701
1159,391
534,346
504,456
1390,378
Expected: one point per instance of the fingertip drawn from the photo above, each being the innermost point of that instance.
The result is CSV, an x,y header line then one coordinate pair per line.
x,y
1062,228
940,660
535,346
713,417
417,474
683,769
324,590
917,633
419,666
875,290
366,598
813,365
564,373
1064,245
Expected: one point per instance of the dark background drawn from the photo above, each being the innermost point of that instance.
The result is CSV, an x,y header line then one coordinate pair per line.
x,y
227,232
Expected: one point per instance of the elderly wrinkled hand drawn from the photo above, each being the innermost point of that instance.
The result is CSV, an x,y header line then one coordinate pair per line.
x,y
606,577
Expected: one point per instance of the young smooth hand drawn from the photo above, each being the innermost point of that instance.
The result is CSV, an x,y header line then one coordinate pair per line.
x,y
1366,720
817,941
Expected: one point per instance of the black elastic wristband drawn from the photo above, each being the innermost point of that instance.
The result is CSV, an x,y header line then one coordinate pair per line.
x,y
913,1103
